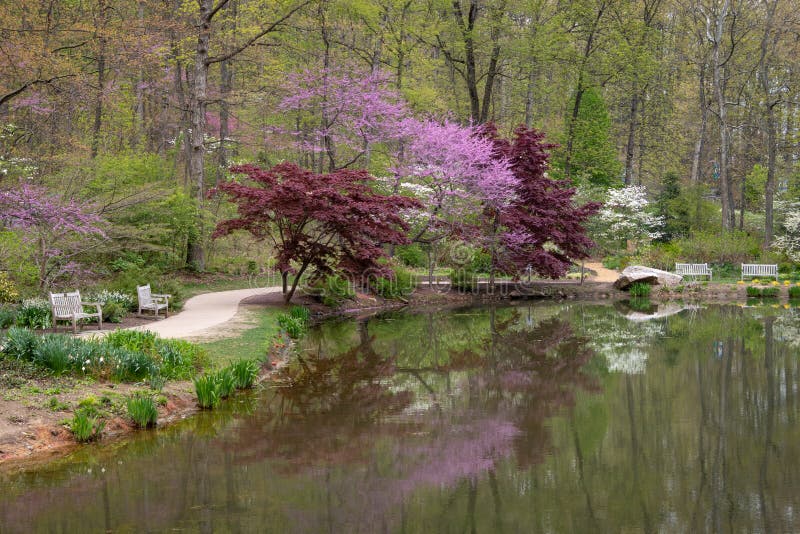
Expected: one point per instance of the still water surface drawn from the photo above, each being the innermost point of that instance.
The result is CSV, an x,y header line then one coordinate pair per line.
x,y
541,418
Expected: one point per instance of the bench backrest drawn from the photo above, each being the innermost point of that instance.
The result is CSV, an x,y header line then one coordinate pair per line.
x,y
144,294
691,268
66,304
759,269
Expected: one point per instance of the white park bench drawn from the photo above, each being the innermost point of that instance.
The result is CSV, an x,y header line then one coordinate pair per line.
x,y
152,301
759,269
69,307
693,269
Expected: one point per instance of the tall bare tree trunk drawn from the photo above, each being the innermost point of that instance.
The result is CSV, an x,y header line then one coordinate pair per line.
x,y
701,135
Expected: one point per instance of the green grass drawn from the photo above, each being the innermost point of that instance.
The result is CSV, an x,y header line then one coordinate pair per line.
x,y
249,344
142,410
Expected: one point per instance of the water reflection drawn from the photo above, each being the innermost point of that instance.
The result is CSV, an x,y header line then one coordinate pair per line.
x,y
545,418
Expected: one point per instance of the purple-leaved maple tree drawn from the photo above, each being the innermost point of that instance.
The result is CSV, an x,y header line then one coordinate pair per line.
x,y
329,222
48,222
541,227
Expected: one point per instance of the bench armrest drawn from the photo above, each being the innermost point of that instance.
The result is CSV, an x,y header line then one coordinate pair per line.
x,y
161,295
90,303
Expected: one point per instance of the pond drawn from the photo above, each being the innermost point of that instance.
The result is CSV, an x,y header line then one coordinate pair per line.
x,y
532,418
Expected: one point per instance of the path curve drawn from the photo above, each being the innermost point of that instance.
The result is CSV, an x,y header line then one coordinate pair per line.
x,y
204,312
603,274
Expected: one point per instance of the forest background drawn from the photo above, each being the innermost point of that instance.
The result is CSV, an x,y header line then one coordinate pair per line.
x,y
681,115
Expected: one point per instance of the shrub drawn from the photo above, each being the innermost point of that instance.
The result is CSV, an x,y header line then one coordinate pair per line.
x,y
640,289
753,291
291,325
142,410
226,383
770,292
334,290
246,372
34,313
411,255
794,292
20,343
7,317
86,425
400,285
113,312
205,388
711,247
463,279
8,290
179,358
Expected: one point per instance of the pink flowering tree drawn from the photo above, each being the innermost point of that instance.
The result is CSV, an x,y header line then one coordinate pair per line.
x,y
340,114
455,171
57,229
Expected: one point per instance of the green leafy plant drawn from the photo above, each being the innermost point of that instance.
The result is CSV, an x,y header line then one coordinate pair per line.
x,y
86,425
131,365
334,290
57,353
245,372
20,343
770,292
301,313
34,313
794,292
640,289
293,326
400,285
8,317
113,312
226,383
142,410
463,279
753,292
205,388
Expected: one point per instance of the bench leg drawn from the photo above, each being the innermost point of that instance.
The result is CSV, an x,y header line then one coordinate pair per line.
x,y
74,326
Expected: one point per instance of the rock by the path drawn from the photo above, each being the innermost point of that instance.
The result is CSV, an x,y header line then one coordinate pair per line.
x,y
639,273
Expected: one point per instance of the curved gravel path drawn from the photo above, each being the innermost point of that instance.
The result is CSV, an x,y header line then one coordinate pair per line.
x,y
204,312
603,274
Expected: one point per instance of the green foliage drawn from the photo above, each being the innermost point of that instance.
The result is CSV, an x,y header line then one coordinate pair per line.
x,y
8,317
135,340
594,156
640,289
794,292
293,326
755,184
245,372
411,255
226,383
660,256
113,312
334,290
753,291
770,292
463,279
130,365
56,405
481,262
671,205
712,247
20,343
86,425
205,388
142,410
400,285
300,313
34,313
57,353
8,290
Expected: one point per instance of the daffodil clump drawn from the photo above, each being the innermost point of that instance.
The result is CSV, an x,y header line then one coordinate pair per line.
x,y
130,356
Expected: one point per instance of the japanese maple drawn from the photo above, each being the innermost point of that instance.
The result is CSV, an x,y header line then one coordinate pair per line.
x,y
329,222
541,227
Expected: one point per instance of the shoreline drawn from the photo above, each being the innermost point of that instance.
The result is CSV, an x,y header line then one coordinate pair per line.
x,y
41,437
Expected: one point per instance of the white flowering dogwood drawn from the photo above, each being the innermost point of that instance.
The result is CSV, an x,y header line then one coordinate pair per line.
x,y
788,241
625,216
